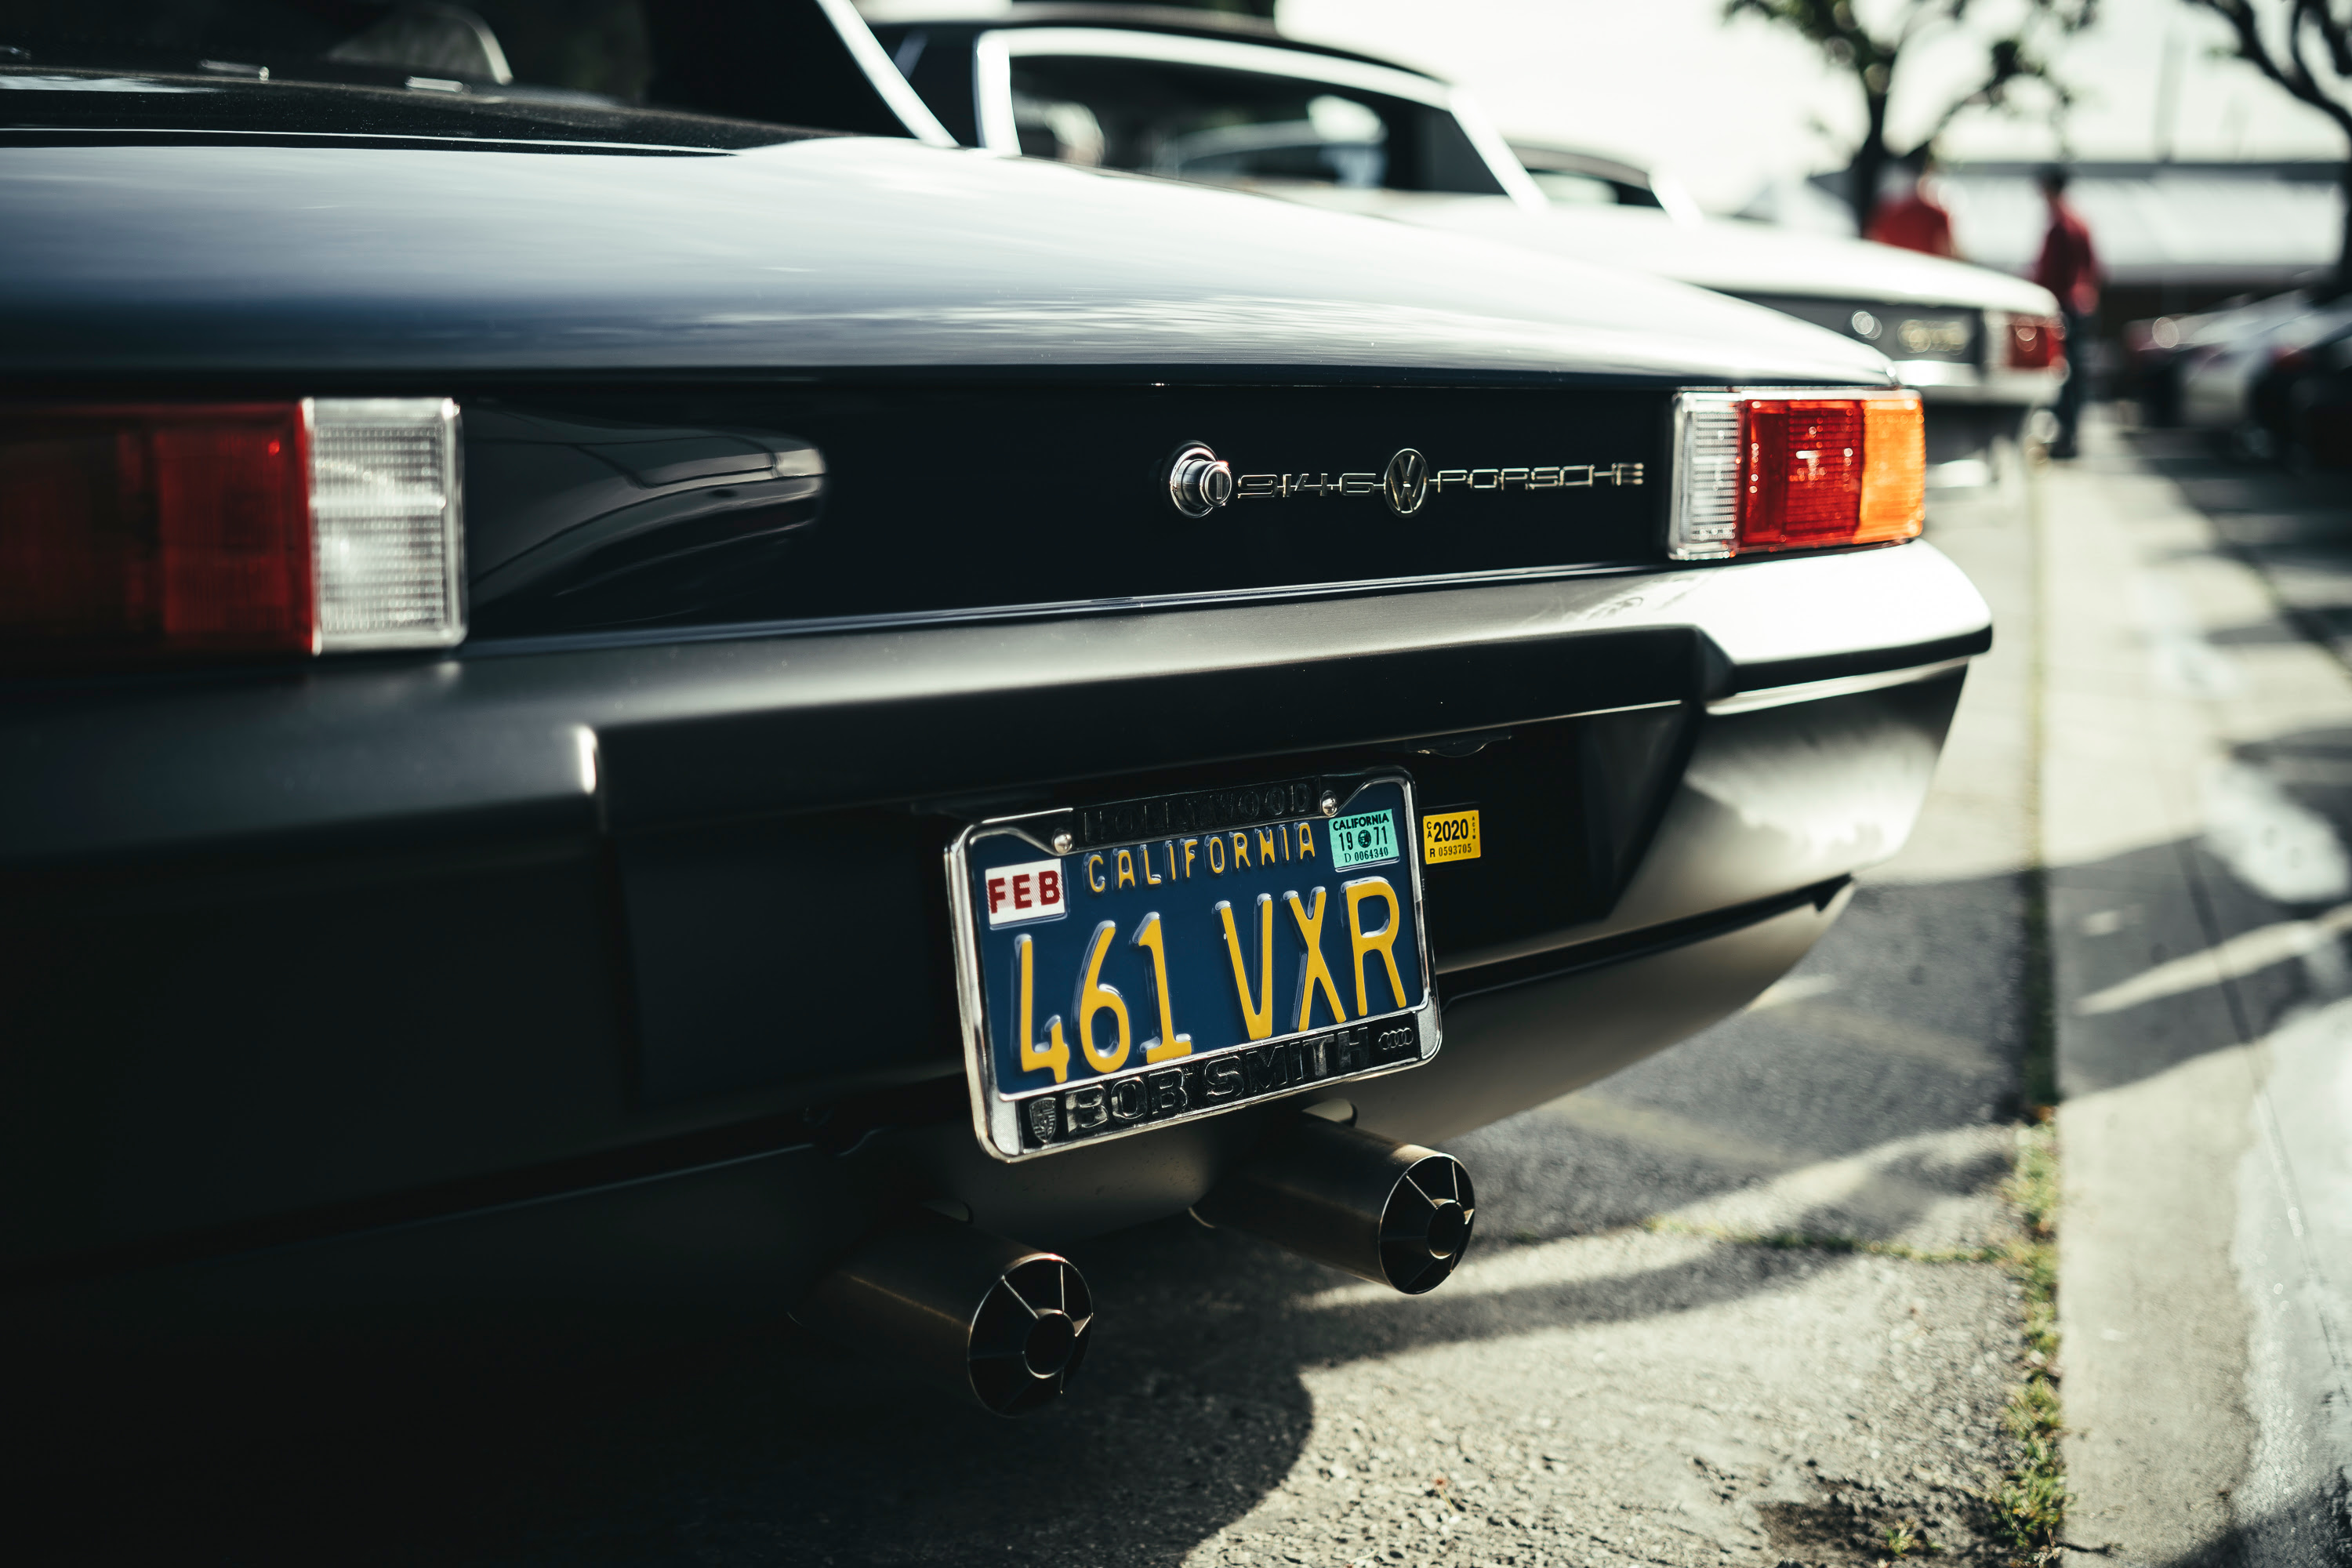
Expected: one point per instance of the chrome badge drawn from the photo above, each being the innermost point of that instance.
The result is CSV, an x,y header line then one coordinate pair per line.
x,y
1406,482
1199,481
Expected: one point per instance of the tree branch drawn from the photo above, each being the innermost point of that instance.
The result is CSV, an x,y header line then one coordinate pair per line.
x,y
2334,33
1833,27
1985,96
1925,15
2296,76
2255,50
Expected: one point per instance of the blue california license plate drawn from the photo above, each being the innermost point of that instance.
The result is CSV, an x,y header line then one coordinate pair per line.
x,y
1149,961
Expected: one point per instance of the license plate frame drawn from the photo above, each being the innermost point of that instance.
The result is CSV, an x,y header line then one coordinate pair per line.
x,y
1224,1074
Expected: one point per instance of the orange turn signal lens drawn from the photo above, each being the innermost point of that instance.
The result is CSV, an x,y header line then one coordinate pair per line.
x,y
1757,472
1893,470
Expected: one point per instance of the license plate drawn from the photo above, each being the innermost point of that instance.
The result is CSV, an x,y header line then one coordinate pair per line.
x,y
1146,961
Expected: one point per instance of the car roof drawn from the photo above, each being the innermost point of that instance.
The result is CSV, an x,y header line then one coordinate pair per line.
x,y
1549,157
985,16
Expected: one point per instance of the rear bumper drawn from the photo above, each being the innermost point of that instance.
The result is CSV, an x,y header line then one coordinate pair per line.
x,y
740,1240
393,750
1949,385
378,951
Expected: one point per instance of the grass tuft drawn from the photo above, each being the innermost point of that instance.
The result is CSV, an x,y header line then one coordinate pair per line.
x,y
2033,1186
2032,1501
2029,1504
1900,1541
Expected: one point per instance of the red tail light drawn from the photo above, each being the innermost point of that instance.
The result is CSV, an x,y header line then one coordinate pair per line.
x,y
2034,342
134,532
1765,471
171,529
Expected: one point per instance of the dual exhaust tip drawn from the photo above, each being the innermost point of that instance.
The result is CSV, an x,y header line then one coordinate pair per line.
x,y
1007,1324
1395,1214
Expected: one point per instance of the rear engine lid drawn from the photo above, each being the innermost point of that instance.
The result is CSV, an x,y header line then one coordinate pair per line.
x,y
737,505
55,104
369,257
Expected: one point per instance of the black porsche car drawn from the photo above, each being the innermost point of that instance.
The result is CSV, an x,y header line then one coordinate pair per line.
x,y
608,706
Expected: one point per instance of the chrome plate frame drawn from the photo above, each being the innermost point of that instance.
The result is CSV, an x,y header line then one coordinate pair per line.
x,y
1266,1069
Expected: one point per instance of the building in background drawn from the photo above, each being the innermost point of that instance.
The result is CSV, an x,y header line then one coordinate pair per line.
x,y
2174,237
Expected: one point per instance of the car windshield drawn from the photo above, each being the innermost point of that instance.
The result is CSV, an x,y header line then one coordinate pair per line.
x,y
604,50
1206,123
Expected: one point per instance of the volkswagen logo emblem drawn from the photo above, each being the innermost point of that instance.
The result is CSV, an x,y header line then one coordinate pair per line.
x,y
1406,484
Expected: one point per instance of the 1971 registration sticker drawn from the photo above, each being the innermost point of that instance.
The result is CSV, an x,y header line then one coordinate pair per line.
x,y
1146,961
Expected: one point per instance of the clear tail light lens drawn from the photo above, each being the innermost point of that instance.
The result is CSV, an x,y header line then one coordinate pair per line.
x,y
1757,472
194,531
2034,342
385,508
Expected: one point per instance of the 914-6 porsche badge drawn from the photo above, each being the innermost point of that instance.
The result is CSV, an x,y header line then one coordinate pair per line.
x,y
1125,966
1199,481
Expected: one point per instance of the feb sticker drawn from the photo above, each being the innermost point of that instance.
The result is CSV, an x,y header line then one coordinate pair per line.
x,y
1018,894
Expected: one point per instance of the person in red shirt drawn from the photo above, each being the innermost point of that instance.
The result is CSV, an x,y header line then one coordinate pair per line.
x,y
1915,220
2069,268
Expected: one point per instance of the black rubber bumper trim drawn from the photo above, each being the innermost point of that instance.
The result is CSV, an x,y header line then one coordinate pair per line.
x,y
1865,661
1464,983
383,751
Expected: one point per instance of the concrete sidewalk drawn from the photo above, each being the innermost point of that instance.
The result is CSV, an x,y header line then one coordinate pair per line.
x,y
2197,893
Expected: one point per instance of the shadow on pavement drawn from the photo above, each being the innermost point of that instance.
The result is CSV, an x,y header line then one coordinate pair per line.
x,y
2310,1531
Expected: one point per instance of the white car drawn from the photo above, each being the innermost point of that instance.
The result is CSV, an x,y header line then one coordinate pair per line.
x,y
1230,100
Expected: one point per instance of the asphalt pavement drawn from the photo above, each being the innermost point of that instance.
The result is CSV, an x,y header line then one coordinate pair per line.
x,y
1719,1309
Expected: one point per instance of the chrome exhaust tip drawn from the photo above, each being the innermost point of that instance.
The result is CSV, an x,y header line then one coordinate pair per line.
x,y
1003,1322
1395,1214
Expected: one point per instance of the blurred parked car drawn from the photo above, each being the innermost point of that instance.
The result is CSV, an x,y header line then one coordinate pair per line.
x,y
2156,349
2219,361
1199,96
2301,401
1568,176
609,706
2149,366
